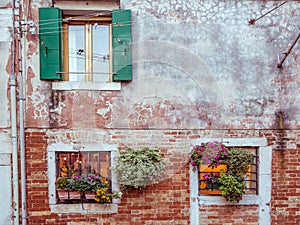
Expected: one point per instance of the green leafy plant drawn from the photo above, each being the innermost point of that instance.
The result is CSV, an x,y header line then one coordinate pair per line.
x,y
232,183
238,161
136,168
232,187
62,183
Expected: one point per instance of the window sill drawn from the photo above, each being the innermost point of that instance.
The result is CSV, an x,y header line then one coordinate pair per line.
x,y
220,200
92,86
85,208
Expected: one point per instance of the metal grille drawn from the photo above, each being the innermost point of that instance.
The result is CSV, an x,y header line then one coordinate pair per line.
x,y
211,188
70,164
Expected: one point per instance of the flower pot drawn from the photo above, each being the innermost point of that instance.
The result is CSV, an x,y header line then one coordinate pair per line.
x,y
75,195
89,195
62,195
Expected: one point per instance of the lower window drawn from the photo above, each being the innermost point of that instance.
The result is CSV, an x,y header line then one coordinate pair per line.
x,y
80,178
81,175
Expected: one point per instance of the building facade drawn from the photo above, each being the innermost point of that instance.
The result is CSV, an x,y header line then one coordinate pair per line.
x,y
95,76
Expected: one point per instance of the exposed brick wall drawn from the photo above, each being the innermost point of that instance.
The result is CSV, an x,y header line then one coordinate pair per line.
x,y
168,201
36,177
238,215
286,186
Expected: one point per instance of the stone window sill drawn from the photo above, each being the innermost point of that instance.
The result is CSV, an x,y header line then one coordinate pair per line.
x,y
85,208
92,86
220,200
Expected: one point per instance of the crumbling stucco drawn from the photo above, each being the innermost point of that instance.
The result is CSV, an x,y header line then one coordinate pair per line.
x,y
196,64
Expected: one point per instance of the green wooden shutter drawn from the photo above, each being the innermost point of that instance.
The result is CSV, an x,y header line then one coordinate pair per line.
x,y
50,30
121,44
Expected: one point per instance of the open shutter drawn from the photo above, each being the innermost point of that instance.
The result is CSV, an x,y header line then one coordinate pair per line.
x,y
50,30
121,44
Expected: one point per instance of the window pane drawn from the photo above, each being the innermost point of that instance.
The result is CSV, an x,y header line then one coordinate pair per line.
x,y
100,52
71,164
76,53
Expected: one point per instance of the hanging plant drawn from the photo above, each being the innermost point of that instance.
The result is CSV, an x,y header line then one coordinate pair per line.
x,y
231,182
137,168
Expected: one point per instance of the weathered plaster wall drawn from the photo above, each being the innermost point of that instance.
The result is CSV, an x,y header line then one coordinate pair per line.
x,y
5,64
197,64
206,53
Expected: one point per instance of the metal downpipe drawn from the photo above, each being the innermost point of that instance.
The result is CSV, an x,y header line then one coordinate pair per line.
x,y
22,131
21,99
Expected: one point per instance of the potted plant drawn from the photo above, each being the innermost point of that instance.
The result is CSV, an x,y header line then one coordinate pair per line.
x,y
239,160
136,168
232,187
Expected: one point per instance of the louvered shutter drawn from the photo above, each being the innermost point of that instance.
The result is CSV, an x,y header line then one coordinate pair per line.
x,y
121,43
50,33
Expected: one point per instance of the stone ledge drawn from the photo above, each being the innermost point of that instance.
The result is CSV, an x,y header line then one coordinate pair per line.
x,y
90,86
220,200
84,208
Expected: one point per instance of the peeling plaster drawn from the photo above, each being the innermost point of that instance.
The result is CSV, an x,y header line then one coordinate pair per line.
x,y
103,112
4,84
40,104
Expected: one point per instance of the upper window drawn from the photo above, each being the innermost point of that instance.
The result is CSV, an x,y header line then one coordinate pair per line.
x,y
93,47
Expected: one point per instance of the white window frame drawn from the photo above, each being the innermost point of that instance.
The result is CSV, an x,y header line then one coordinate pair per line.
x,y
81,208
262,199
74,6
